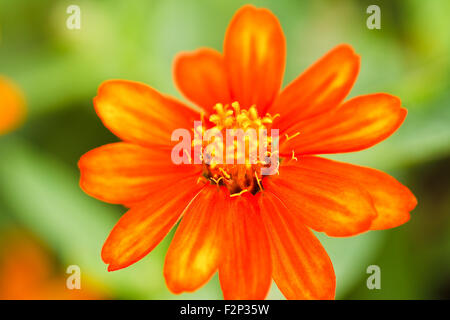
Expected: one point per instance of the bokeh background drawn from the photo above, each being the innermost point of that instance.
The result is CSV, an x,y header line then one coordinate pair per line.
x,y
48,223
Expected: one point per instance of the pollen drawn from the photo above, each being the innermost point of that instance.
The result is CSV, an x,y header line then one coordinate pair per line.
x,y
291,137
239,145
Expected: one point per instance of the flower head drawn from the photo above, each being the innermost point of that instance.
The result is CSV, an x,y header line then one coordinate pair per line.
x,y
251,227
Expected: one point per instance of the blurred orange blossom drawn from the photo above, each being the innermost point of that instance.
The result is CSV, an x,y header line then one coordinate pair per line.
x,y
250,227
26,272
12,105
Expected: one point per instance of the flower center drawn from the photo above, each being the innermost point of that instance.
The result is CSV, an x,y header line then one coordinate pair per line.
x,y
239,149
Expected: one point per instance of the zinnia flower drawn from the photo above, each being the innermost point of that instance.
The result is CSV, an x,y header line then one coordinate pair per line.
x,y
12,105
252,228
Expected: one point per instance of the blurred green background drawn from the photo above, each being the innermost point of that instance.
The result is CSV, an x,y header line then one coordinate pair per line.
x,y
59,71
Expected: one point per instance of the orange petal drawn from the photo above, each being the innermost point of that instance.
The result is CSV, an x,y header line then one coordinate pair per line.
x,y
147,223
255,53
358,124
125,173
194,253
202,78
138,113
301,266
392,200
12,106
321,88
246,269
323,201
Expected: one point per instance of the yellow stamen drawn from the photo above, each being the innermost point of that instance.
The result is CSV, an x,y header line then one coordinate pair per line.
x,y
201,179
224,173
238,177
202,116
259,181
293,156
236,107
238,194
217,181
291,137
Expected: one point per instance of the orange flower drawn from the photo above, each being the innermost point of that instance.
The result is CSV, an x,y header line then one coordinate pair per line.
x,y
252,228
26,273
12,106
